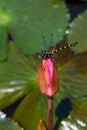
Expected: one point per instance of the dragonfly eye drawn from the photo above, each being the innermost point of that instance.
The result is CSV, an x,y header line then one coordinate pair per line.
x,y
43,56
40,56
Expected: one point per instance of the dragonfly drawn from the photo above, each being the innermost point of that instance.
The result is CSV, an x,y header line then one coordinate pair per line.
x,y
49,53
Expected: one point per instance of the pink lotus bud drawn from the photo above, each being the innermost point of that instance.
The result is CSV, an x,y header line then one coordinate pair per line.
x,y
48,77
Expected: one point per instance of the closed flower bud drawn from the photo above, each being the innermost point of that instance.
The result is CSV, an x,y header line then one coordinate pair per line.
x,y
48,77
42,125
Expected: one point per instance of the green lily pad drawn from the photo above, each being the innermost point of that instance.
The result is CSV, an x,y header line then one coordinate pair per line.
x,y
80,62
28,21
72,83
18,75
3,42
31,110
77,120
79,107
8,124
73,122
78,33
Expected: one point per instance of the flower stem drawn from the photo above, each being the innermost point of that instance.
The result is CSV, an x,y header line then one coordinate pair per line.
x,y
50,112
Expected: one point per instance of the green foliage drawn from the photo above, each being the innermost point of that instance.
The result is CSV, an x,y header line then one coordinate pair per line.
x,y
28,21
3,43
35,105
18,75
78,33
7,123
78,117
